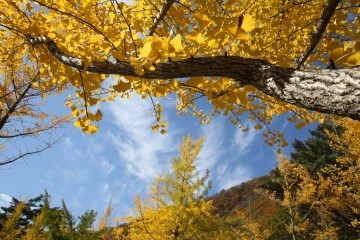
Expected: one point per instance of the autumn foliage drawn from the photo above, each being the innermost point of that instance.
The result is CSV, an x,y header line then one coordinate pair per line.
x,y
162,48
250,60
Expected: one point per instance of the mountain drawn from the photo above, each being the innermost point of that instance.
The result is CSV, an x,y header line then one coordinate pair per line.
x,y
244,197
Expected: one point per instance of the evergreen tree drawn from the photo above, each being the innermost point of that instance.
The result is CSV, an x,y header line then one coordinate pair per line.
x,y
30,210
36,219
315,153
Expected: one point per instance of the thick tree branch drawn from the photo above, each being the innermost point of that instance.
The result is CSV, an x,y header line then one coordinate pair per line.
x,y
328,91
320,28
164,9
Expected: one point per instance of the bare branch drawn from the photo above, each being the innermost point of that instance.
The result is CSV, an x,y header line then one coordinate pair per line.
x,y
4,119
22,155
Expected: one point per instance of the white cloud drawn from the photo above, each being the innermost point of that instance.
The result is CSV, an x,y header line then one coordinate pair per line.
x,y
234,177
242,141
213,145
5,200
77,174
145,153
104,188
106,167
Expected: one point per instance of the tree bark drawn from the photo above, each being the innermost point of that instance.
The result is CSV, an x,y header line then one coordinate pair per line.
x,y
335,91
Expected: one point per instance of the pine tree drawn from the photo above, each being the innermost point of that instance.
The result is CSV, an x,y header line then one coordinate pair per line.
x,y
316,153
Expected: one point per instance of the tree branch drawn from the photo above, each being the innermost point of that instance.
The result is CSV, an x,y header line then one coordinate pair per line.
x,y
165,7
4,119
320,28
335,91
22,155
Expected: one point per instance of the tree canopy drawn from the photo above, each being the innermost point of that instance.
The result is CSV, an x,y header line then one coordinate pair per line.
x,y
260,59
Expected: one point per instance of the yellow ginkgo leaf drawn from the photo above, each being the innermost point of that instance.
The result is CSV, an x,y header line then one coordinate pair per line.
x,y
90,129
98,115
337,53
176,43
349,44
231,28
248,23
92,101
122,86
118,55
213,44
95,39
139,70
196,37
145,51
203,20
200,39
74,111
352,60
144,87
78,123
241,35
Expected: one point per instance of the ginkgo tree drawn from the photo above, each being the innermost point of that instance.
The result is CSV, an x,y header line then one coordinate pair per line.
x,y
257,58
176,207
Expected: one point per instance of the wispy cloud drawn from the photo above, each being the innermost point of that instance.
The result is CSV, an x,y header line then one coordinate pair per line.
x,y
143,152
5,200
106,167
213,145
233,177
104,187
242,141
229,146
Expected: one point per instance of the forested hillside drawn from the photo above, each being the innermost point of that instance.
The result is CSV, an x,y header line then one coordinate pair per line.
x,y
243,197
317,155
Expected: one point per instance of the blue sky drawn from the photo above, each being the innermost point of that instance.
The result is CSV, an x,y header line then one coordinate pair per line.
x,y
121,160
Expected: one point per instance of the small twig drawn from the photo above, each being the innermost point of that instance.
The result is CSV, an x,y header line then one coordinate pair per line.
x,y
129,27
83,88
154,107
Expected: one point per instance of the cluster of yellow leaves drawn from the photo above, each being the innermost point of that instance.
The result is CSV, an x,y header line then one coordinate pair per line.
x,y
113,31
241,227
340,186
299,189
335,187
177,208
11,230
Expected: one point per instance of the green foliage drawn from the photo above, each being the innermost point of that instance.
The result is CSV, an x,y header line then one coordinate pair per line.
x,y
31,209
316,153
313,153
36,219
83,229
